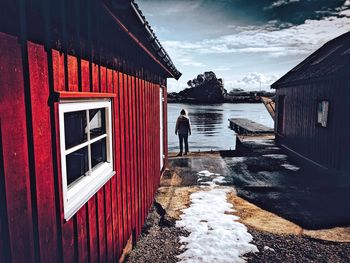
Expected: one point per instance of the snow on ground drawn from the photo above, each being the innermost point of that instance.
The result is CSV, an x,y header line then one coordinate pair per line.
x,y
290,167
216,235
276,156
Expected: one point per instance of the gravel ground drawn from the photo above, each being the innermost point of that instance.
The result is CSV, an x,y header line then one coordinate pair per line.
x,y
287,248
159,243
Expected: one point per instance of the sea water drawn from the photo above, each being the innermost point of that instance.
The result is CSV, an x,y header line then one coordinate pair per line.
x,y
210,125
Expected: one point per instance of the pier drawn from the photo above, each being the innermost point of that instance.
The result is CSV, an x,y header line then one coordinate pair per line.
x,y
245,126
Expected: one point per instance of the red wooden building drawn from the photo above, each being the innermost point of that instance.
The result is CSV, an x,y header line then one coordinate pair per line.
x,y
313,114
82,128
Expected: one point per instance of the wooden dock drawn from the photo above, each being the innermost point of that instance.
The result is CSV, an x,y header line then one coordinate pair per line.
x,y
248,127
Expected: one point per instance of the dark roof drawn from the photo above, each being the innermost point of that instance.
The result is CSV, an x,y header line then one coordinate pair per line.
x,y
135,24
330,61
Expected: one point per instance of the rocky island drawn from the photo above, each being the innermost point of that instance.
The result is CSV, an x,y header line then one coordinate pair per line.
x,y
207,88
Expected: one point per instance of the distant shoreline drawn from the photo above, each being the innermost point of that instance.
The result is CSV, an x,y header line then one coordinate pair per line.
x,y
216,102
242,97
232,100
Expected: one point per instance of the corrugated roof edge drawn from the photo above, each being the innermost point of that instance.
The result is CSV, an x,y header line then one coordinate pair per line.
x,y
278,83
161,53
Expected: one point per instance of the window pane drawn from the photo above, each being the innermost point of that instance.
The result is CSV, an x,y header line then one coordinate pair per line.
x,y
77,164
75,128
97,122
98,152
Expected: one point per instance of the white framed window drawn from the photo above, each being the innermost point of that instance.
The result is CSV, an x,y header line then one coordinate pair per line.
x,y
86,150
322,113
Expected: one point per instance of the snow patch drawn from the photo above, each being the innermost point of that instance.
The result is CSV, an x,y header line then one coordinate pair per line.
x,y
215,234
205,173
269,248
276,156
238,159
290,167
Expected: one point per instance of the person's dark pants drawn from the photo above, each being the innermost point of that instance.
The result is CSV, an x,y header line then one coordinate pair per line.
x,y
183,138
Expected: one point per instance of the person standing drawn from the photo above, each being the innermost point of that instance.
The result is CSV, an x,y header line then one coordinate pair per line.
x,y
183,129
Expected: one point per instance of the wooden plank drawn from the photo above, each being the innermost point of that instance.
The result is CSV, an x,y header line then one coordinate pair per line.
x,y
58,70
85,75
4,231
95,78
44,180
142,111
83,215
148,146
15,147
108,188
156,139
151,133
270,106
82,95
74,235
133,154
138,143
128,155
241,125
82,234
101,201
103,78
92,228
115,179
72,73
4,240
144,159
91,204
121,181
109,87
80,218
158,153
102,238
136,103
108,221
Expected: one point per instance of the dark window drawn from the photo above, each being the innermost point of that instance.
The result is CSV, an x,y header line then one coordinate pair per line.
x,y
80,161
75,128
98,152
77,164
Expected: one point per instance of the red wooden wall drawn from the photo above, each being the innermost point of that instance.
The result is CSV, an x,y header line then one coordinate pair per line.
x,y
32,224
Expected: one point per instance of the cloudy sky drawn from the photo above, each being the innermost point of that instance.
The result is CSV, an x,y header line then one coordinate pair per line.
x,y
248,43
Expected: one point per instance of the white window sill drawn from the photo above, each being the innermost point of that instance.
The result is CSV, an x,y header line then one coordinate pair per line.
x,y
88,186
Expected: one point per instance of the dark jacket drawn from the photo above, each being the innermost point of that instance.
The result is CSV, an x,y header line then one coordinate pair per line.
x,y
183,125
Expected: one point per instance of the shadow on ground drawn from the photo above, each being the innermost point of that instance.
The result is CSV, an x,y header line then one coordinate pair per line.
x,y
262,174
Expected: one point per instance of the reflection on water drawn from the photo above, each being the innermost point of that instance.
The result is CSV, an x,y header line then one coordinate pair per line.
x,y
210,124
206,122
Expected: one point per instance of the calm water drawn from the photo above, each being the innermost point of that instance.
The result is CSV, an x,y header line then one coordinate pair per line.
x,y
210,129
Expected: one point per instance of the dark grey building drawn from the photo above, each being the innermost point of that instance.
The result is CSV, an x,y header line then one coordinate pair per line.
x,y
313,108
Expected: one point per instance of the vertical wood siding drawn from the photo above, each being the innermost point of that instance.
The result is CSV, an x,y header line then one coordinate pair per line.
x,y
18,216
323,145
33,207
